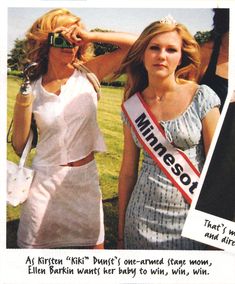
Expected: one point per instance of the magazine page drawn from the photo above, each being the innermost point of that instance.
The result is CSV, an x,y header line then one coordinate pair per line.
x,y
110,202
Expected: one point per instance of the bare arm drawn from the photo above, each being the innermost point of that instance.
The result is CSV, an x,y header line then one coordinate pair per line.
x,y
106,64
127,179
21,122
208,127
205,53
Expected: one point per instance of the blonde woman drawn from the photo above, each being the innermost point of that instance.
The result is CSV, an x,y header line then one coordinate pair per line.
x,y
161,67
64,207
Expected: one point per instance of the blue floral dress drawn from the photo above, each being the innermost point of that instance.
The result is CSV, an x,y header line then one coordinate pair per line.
x,y
157,211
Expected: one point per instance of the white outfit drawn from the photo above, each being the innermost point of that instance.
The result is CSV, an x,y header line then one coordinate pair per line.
x,y
67,123
64,207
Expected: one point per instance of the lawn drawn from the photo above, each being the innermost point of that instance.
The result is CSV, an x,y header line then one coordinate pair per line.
x,y
108,163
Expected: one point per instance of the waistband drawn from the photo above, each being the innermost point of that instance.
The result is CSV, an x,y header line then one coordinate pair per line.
x,y
81,162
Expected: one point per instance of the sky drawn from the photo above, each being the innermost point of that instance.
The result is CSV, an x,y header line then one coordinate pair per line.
x,y
132,20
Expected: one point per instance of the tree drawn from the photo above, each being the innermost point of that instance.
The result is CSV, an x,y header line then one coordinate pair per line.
x,y
17,56
102,48
202,37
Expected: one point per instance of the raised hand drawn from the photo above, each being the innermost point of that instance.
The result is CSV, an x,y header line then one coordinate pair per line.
x,y
75,34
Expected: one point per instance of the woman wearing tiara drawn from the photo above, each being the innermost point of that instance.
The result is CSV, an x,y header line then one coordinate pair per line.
x,y
161,68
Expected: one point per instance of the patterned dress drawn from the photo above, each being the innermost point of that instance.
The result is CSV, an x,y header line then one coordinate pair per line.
x,y
157,211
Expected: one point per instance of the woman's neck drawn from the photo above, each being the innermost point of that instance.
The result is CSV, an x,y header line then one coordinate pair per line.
x,y
59,71
158,89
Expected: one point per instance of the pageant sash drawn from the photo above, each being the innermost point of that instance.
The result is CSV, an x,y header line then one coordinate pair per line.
x,y
173,162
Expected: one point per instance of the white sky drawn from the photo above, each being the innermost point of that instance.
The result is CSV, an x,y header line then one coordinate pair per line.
x,y
118,19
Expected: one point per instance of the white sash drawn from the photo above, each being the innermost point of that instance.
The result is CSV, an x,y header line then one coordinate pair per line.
x,y
173,162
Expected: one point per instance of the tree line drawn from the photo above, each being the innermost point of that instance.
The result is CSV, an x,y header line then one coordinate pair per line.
x,y
17,56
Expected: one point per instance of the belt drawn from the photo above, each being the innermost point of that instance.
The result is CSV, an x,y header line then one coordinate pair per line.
x,y
81,162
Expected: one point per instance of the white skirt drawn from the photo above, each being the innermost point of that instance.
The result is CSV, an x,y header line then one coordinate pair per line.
x,y
64,209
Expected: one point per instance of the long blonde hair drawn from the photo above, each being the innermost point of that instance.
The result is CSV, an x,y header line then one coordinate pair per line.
x,y
37,47
133,65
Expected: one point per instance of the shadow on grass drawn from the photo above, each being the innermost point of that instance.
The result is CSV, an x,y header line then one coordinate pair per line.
x,y
111,223
12,227
110,219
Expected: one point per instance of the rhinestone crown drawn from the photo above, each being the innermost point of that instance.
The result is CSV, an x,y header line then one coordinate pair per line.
x,y
168,20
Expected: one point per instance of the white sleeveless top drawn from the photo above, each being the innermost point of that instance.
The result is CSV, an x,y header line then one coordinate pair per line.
x,y
67,122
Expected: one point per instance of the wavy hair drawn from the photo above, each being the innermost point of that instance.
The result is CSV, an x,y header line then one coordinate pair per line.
x,y
36,45
133,65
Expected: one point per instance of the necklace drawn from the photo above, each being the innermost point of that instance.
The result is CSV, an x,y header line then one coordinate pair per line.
x,y
159,98
153,95
154,99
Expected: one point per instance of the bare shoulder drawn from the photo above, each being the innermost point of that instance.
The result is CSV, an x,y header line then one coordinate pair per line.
x,y
206,49
207,45
91,65
95,65
189,89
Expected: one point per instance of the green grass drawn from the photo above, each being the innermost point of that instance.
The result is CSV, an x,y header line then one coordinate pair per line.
x,y
108,163
111,126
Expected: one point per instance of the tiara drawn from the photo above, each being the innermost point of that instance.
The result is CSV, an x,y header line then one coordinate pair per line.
x,y
168,20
